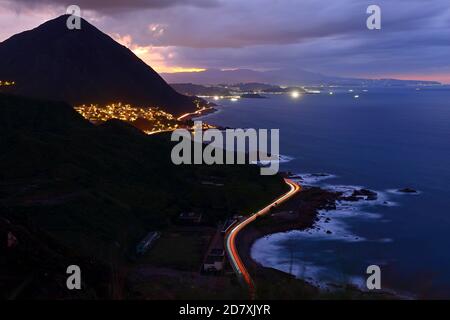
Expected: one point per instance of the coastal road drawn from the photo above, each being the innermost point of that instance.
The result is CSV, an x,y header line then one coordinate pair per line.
x,y
196,113
230,241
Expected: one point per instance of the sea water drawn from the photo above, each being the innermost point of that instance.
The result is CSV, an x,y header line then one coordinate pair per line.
x,y
384,140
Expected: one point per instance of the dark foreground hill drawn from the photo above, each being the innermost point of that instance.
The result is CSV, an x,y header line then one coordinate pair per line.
x,y
83,66
75,193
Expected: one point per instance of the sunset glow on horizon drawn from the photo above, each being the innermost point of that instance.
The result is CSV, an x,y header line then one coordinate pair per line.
x,y
156,57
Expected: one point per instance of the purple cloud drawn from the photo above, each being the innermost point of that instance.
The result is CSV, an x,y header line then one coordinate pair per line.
x,y
118,5
323,36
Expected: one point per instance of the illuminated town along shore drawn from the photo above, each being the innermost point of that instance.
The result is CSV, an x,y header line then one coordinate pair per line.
x,y
150,120
7,83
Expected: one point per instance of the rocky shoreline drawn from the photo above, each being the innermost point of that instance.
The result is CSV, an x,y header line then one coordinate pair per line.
x,y
301,212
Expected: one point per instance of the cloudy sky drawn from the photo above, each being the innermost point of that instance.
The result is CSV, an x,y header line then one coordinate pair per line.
x,y
324,36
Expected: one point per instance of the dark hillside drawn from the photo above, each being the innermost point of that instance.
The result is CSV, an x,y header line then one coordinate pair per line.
x,y
96,190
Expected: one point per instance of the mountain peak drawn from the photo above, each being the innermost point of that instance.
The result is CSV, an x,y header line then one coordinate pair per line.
x,y
56,27
83,66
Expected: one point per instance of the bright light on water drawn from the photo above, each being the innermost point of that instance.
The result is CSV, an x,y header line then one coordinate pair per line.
x,y
295,94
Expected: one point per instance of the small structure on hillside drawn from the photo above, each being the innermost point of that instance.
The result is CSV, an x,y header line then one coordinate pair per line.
x,y
147,242
215,256
213,264
190,218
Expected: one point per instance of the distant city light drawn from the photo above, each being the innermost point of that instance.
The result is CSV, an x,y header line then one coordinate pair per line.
x,y
313,91
234,99
6,83
356,96
216,98
331,93
351,90
295,94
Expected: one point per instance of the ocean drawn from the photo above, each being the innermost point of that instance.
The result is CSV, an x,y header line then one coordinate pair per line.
x,y
385,140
